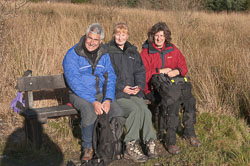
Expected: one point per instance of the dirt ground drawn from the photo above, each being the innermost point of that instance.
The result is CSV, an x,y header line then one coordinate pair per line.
x,y
24,156
123,162
14,150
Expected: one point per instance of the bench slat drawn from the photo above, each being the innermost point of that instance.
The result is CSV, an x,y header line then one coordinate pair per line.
x,y
41,83
50,112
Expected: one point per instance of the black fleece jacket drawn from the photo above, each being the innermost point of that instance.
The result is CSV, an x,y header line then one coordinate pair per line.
x,y
128,66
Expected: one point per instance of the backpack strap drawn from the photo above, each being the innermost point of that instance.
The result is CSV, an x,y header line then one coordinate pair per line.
x,y
116,125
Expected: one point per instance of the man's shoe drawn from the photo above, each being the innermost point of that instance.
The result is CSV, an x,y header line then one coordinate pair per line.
x,y
193,141
173,149
151,149
134,152
87,155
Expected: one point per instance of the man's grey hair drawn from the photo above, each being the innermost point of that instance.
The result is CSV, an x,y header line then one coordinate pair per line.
x,y
95,28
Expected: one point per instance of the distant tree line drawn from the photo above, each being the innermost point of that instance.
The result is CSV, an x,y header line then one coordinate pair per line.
x,y
228,5
212,5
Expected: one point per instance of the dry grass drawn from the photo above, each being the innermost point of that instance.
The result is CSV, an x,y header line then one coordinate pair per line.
x,y
216,47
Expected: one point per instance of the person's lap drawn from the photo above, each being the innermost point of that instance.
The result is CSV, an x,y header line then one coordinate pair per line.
x,y
87,112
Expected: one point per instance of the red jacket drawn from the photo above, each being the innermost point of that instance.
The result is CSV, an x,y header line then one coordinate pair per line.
x,y
153,57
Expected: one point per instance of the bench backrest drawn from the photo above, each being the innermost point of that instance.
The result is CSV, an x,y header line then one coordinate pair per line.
x,y
42,87
33,83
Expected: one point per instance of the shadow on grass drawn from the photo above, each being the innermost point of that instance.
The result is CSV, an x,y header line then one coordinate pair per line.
x,y
18,152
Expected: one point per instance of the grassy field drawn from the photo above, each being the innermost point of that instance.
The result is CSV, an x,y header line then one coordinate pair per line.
x,y
216,47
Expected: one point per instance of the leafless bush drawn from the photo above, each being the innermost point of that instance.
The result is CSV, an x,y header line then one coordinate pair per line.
x,y
8,10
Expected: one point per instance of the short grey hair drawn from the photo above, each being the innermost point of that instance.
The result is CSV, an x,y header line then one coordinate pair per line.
x,y
95,28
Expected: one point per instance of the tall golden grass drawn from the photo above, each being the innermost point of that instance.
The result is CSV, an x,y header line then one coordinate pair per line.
x,y
216,47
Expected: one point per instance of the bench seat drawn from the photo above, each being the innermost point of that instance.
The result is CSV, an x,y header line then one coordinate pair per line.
x,y
37,88
42,114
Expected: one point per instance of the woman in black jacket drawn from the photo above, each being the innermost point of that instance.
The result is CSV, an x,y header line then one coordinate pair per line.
x,y
130,83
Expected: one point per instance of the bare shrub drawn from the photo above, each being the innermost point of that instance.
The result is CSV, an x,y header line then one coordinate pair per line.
x,y
8,10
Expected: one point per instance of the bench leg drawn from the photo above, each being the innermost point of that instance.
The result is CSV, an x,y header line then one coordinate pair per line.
x,y
33,131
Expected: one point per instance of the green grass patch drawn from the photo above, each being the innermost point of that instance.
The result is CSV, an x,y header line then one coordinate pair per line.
x,y
225,141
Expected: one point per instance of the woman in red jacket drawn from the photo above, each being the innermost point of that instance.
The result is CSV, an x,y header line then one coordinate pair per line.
x,y
161,56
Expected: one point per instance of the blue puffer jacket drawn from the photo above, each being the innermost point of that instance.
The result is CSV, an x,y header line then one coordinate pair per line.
x,y
78,73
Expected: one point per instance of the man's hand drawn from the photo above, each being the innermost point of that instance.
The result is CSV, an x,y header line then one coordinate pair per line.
x,y
106,106
98,108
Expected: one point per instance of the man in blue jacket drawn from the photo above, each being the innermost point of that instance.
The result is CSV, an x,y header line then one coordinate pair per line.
x,y
89,73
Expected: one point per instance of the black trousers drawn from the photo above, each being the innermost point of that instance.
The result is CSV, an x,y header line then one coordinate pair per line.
x,y
189,119
171,115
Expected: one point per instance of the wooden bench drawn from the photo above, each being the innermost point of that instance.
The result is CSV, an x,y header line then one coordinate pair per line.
x,y
40,88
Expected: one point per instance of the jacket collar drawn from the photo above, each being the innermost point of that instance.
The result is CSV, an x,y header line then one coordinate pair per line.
x,y
152,49
116,49
79,49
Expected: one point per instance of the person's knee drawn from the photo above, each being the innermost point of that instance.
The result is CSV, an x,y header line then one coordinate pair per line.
x,y
189,118
135,111
172,121
189,106
119,112
88,118
115,110
132,107
148,113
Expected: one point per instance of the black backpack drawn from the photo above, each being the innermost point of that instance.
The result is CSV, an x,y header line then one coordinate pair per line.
x,y
107,142
116,126
170,92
